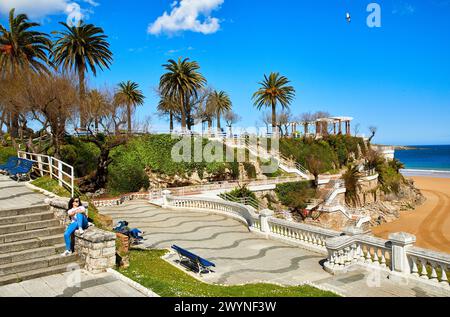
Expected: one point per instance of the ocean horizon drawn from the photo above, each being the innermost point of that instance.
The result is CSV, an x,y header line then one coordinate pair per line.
x,y
425,160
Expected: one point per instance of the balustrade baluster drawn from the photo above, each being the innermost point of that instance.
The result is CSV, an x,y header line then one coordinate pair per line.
x,y
444,279
375,256
423,272
434,276
383,258
368,255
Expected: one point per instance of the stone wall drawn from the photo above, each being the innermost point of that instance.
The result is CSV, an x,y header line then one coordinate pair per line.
x,y
96,249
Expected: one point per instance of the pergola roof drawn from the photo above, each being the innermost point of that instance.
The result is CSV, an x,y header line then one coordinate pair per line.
x,y
342,118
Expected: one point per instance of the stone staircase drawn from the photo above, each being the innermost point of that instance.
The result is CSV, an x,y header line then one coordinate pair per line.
x,y
31,241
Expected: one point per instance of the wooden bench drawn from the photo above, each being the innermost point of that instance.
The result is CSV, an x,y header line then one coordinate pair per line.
x,y
201,264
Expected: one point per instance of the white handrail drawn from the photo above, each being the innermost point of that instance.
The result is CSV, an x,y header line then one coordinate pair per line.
x,y
55,168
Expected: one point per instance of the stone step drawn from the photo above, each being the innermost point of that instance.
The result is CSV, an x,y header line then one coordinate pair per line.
x,y
29,254
23,227
35,264
23,211
26,218
20,236
34,243
23,276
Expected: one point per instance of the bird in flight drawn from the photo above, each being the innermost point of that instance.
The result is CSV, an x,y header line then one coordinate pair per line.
x,y
348,17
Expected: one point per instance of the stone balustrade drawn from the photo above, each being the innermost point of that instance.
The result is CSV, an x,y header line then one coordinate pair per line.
x,y
397,254
429,265
302,233
345,249
307,236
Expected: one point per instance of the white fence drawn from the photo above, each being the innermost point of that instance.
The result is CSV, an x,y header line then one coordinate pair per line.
x,y
56,169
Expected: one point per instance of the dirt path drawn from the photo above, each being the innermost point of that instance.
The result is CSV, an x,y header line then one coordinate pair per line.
x,y
429,222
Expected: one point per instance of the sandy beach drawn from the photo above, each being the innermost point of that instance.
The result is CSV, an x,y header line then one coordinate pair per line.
x,y
430,222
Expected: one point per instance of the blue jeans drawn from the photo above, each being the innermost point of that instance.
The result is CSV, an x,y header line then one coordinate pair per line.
x,y
82,222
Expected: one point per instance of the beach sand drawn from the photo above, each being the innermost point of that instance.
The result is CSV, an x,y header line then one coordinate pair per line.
x,y
430,222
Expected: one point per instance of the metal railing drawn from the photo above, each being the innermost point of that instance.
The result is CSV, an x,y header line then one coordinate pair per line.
x,y
56,169
247,201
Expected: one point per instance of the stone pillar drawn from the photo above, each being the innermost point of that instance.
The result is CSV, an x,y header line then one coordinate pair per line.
x,y
123,248
264,216
340,127
401,242
165,194
97,249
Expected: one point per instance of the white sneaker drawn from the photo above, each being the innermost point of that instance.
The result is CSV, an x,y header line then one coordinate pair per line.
x,y
80,231
66,253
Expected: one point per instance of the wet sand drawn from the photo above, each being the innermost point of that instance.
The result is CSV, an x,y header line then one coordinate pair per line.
x,y
430,222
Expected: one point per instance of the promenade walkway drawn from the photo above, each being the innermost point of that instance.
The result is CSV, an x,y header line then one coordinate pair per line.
x,y
244,257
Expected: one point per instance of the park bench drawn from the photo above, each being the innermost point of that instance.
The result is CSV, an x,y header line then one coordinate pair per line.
x,y
22,170
201,264
11,163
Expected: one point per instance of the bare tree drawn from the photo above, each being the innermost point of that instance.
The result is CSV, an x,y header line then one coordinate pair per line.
x,y
373,130
356,129
284,118
306,118
266,118
231,118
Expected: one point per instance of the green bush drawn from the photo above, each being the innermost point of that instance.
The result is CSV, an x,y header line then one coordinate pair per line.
x,y
242,192
250,169
295,195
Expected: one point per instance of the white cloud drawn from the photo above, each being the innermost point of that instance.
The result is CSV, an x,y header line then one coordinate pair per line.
x,y
41,8
186,16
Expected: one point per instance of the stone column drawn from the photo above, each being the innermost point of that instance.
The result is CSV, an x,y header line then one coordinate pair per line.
x,y
165,194
264,216
401,242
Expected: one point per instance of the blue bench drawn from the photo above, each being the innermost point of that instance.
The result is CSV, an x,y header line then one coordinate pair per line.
x,y
22,170
11,163
201,264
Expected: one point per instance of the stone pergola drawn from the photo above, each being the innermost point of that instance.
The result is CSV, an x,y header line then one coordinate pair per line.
x,y
325,126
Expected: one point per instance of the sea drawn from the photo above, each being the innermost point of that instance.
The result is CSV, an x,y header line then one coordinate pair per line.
x,y
425,160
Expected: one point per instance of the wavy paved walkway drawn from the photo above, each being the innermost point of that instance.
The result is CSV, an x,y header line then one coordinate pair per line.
x,y
244,257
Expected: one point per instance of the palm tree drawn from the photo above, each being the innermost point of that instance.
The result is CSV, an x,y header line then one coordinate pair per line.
x,y
274,89
181,81
351,178
219,102
80,48
130,95
21,49
168,106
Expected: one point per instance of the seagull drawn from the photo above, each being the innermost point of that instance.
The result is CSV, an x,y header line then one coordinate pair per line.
x,y
348,17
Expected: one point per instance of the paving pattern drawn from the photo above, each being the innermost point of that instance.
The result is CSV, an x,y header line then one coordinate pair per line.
x,y
244,257
71,284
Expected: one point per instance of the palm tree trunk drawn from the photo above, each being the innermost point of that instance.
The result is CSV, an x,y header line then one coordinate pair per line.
x,y
171,120
129,118
183,114
218,121
82,84
274,118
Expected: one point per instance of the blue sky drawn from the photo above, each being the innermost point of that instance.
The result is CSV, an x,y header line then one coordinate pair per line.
x,y
396,77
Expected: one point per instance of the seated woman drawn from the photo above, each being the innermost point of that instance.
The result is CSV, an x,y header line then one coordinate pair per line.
x,y
78,215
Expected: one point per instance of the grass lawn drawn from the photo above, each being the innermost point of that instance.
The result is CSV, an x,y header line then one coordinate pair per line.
x,y
148,269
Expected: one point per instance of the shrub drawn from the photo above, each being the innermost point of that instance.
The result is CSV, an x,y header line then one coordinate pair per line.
x,y
295,195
